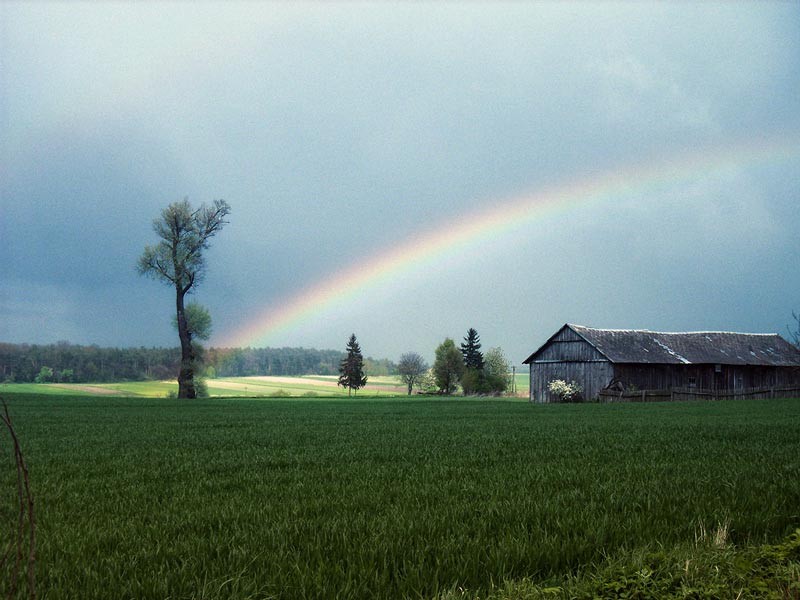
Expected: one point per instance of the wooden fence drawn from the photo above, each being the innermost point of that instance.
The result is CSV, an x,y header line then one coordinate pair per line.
x,y
699,394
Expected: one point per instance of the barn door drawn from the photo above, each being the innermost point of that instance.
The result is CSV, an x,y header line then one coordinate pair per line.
x,y
719,378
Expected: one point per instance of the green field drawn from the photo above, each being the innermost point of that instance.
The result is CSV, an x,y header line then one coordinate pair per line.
x,y
389,498
248,387
226,387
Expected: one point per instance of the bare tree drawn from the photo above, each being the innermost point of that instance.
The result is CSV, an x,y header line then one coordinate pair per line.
x,y
411,368
795,335
177,260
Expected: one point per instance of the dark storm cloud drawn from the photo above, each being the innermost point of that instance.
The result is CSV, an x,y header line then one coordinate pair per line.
x,y
336,131
75,201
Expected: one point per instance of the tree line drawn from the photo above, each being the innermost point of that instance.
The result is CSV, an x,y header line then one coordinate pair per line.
x,y
178,261
465,368
70,363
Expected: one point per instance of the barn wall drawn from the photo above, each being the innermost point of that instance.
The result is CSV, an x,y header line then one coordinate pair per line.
x,y
729,377
569,357
592,377
751,376
663,377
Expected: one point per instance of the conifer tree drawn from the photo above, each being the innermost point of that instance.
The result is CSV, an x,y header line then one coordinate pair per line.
x,y
351,369
471,350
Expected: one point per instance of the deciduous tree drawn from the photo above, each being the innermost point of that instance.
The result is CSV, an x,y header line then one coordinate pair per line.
x,y
497,370
45,375
448,366
411,369
178,261
351,369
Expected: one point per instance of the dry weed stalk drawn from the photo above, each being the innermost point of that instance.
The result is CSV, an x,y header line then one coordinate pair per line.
x,y
25,509
718,537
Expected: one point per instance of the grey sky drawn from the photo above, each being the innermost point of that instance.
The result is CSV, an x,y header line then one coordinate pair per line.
x,y
338,131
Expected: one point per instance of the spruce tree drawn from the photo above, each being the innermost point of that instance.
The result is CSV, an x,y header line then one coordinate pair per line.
x,y
351,369
471,350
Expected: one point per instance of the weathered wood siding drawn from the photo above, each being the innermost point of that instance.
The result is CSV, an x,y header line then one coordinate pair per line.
x,y
661,377
567,345
637,360
591,376
569,357
707,377
700,394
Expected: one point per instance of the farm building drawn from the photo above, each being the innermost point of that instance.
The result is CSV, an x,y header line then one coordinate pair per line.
x,y
719,364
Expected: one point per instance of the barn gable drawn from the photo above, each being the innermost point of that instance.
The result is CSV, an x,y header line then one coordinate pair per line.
x,y
569,356
566,345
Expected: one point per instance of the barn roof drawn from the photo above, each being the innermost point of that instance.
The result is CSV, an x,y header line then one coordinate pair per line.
x,y
698,347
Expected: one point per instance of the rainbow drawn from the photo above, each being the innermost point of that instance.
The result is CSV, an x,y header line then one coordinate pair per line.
x,y
433,245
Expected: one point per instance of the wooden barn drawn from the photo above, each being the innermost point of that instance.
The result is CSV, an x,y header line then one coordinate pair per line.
x,y
604,361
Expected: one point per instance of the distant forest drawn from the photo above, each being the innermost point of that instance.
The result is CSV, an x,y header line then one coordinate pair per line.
x,y
69,363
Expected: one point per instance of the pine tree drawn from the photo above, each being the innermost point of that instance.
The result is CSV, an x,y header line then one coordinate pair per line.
x,y
471,350
351,369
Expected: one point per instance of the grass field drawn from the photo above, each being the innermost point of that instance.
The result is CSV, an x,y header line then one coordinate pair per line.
x,y
387,498
248,387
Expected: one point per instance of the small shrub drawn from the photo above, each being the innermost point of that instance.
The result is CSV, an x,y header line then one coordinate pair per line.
x,y
566,391
427,383
44,376
280,394
472,382
201,388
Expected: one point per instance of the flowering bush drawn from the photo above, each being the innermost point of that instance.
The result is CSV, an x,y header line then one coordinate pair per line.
x,y
566,391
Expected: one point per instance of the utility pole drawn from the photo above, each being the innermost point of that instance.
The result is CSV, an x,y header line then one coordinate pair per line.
x,y
514,380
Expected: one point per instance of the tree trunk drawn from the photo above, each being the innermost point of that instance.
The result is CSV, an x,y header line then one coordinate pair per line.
x,y
186,373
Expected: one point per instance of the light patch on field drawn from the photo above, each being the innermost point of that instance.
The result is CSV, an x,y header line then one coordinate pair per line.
x,y
323,384
270,380
90,389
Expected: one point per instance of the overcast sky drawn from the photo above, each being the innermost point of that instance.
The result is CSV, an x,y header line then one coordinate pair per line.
x,y
338,132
